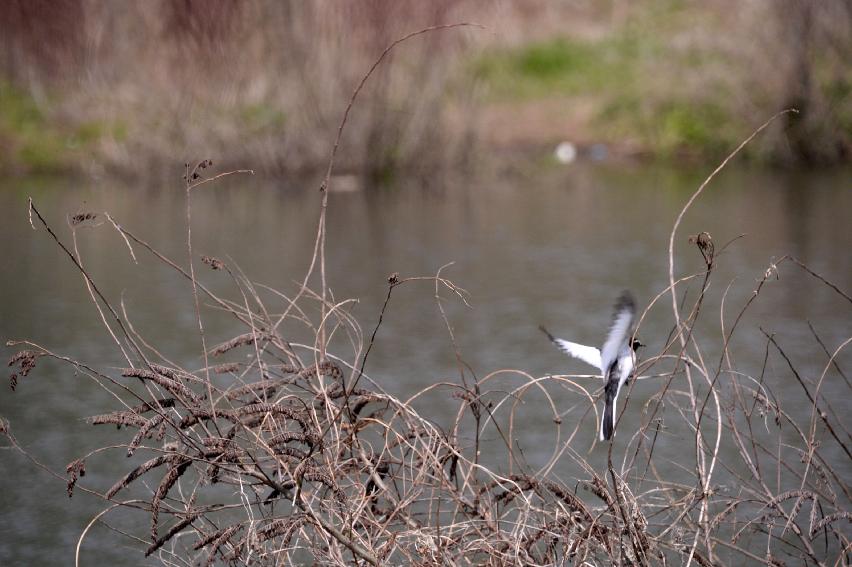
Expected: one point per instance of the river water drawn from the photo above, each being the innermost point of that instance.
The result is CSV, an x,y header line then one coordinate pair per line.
x,y
532,245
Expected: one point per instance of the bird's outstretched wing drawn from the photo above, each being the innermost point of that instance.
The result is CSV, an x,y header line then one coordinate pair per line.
x,y
588,354
619,332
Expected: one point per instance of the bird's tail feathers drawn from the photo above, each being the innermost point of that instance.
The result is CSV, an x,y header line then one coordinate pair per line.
x,y
608,419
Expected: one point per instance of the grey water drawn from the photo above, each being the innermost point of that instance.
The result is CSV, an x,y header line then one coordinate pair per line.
x,y
531,245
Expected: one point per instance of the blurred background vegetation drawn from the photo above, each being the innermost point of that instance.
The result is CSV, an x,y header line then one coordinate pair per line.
x,y
128,87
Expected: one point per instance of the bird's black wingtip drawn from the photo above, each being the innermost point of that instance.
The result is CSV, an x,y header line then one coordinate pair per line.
x,y
546,332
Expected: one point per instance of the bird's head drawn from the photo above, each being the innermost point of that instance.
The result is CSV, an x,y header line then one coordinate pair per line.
x,y
635,344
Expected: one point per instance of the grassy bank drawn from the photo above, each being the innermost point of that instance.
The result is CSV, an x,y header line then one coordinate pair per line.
x,y
674,81
263,84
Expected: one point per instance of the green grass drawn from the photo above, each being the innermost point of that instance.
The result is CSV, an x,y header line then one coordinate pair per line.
x,y
560,66
259,118
673,126
35,143
31,143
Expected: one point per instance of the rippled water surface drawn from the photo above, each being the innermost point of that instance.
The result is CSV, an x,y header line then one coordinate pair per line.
x,y
550,247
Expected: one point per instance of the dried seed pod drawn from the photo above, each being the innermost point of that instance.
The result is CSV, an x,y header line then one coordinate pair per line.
x,y
75,469
143,432
179,466
171,533
136,473
27,361
82,217
214,263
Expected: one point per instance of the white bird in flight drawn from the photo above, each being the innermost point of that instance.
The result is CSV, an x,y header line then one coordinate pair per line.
x,y
615,359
